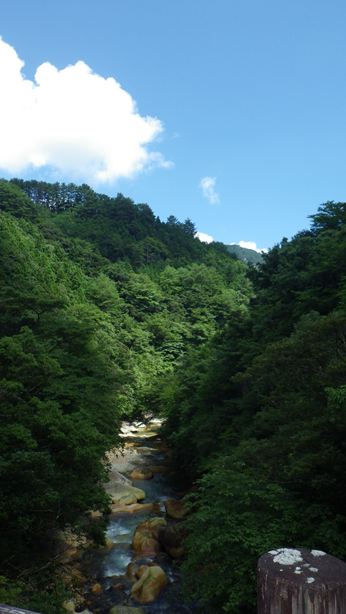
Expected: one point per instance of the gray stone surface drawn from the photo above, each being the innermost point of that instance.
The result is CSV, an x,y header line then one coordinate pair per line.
x,y
301,581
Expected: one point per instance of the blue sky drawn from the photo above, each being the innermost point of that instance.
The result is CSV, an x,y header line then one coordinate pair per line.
x,y
250,97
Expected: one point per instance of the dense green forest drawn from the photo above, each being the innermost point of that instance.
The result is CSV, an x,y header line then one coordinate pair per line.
x,y
107,312
99,300
257,419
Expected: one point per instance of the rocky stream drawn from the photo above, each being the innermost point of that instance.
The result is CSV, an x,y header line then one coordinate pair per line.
x,y
138,570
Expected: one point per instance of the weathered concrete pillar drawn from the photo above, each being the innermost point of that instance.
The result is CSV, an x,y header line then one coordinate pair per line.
x,y
301,581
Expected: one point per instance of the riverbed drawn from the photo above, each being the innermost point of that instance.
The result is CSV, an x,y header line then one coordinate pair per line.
x,y
143,451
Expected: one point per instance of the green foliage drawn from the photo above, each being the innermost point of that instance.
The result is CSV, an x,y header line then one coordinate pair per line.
x,y
99,301
236,516
26,594
108,312
258,416
60,395
13,200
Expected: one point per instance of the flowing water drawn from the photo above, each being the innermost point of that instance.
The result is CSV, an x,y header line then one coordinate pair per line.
x,y
108,567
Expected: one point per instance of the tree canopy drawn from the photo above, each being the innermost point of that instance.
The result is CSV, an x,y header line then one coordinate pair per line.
x,y
257,418
107,311
99,300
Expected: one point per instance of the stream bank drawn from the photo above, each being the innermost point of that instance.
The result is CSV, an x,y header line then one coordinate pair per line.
x,y
139,568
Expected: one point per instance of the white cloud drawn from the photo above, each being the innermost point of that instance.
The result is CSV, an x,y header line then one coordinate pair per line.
x,y
251,245
208,185
73,121
202,236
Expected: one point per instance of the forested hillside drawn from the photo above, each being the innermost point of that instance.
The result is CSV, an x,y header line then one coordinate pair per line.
x,y
99,300
257,416
108,312
244,253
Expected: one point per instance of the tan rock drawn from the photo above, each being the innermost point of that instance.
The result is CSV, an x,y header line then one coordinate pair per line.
x,y
138,474
96,588
145,544
175,509
95,515
152,580
154,525
146,536
71,604
115,477
124,494
135,508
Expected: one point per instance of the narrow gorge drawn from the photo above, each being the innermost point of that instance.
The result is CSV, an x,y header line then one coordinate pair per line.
x,y
138,569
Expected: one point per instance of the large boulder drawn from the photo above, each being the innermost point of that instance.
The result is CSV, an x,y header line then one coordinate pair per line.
x,y
135,508
124,494
151,581
171,539
96,588
116,477
95,515
141,474
71,605
146,536
175,509
131,444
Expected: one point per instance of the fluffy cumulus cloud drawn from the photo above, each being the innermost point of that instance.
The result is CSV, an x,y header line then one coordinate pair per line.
x,y
73,121
251,245
202,236
208,187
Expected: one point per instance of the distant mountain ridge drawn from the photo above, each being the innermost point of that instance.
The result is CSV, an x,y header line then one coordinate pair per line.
x,y
244,253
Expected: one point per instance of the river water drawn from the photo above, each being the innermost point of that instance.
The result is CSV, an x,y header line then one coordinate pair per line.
x,y
144,449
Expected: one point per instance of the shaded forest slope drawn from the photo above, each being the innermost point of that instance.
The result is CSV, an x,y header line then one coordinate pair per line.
x,y
99,300
257,416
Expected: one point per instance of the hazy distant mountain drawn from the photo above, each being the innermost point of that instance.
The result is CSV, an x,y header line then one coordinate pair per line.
x,y
245,254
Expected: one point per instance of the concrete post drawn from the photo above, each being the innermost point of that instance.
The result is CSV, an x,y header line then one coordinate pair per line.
x,y
300,581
